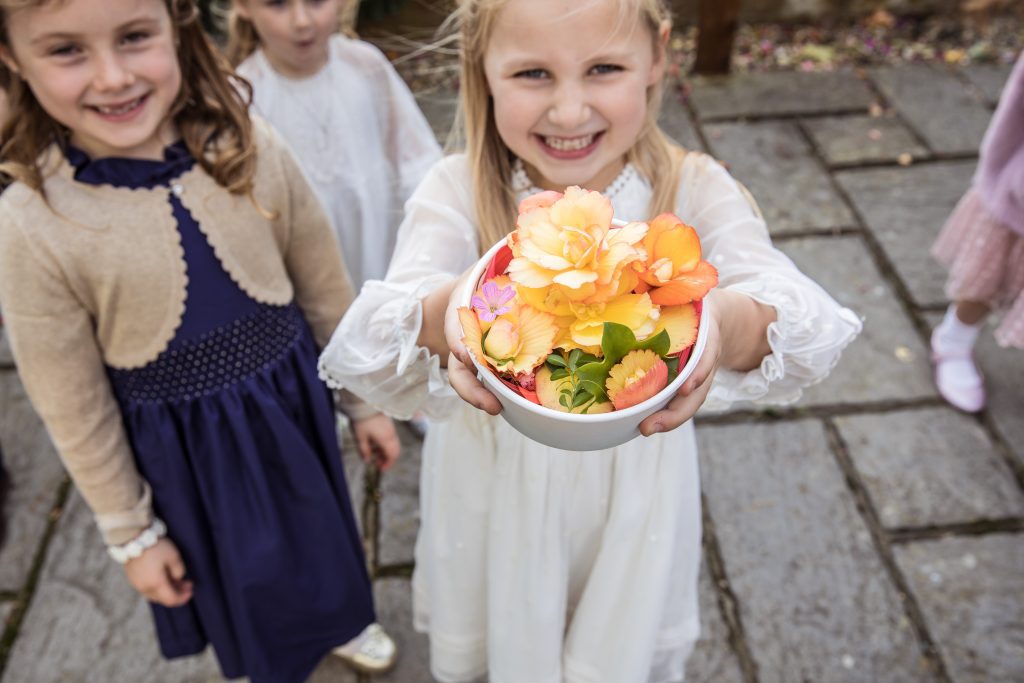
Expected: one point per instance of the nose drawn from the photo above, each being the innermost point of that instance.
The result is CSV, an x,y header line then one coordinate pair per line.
x,y
300,15
111,73
570,108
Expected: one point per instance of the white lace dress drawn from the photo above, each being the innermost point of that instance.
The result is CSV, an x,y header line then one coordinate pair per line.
x,y
540,565
360,137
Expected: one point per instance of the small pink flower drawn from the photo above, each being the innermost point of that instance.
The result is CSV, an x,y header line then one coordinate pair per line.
x,y
492,303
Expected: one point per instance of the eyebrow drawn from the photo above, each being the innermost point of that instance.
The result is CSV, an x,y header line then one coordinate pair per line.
x,y
58,36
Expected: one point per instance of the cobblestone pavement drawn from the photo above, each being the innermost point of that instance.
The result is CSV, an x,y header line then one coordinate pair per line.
x,y
869,533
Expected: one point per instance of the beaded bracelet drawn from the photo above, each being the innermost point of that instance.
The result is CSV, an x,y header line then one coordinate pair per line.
x,y
135,547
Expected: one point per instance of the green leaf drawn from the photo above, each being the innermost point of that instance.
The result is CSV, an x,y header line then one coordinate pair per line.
x,y
659,343
556,360
559,374
616,341
673,367
564,400
592,376
581,398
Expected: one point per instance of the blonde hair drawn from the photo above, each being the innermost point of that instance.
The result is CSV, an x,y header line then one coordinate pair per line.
x,y
653,153
211,111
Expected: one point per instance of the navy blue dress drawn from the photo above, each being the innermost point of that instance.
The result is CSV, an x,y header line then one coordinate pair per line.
x,y
235,434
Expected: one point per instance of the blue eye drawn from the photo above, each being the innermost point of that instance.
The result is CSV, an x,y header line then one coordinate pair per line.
x,y
605,68
531,73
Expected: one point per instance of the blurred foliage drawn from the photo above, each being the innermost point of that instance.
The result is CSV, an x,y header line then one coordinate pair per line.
x,y
378,9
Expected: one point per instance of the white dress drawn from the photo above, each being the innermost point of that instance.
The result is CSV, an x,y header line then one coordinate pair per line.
x,y
360,137
540,565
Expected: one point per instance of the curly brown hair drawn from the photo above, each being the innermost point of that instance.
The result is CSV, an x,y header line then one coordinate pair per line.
x,y
211,111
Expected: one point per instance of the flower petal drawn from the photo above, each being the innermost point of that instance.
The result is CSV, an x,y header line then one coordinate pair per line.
x,y
681,322
540,200
687,287
471,333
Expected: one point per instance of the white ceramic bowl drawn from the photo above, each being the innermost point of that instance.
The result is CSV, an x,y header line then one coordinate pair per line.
x,y
570,431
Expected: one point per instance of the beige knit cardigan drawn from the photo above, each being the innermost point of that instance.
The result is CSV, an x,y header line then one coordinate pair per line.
x,y
97,277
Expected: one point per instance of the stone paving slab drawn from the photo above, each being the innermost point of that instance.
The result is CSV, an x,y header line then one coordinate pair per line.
x,y
779,93
816,601
675,121
936,104
712,660
1004,382
85,623
394,610
36,475
400,504
930,467
969,590
859,139
989,79
905,208
887,361
774,160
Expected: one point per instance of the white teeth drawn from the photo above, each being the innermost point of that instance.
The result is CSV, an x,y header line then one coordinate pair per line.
x,y
114,111
568,144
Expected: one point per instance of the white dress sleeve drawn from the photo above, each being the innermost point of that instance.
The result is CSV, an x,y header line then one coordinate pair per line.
x,y
374,353
811,330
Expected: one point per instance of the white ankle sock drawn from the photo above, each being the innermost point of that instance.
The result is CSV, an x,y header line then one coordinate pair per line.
x,y
953,336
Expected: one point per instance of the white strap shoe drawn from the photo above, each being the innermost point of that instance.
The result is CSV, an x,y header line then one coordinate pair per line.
x,y
958,379
371,652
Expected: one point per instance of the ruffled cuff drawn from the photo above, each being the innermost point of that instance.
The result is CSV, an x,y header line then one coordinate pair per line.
x,y
374,353
806,341
120,527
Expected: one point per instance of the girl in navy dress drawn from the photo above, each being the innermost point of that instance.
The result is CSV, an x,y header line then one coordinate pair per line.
x,y
167,276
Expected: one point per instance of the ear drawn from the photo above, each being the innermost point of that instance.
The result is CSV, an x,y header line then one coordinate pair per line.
x,y
660,53
8,59
241,8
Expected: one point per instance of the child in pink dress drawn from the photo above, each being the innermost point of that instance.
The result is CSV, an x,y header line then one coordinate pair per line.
x,y
982,244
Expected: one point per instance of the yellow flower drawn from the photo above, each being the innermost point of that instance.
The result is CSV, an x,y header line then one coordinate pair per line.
x,y
673,271
640,375
515,342
635,311
568,244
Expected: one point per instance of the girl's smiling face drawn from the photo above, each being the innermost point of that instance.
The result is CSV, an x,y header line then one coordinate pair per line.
x,y
294,34
105,69
569,87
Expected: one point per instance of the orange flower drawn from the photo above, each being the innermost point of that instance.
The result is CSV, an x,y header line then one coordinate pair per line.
x,y
674,272
567,243
638,376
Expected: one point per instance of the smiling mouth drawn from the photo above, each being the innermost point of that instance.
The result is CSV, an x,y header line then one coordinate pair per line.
x,y
119,109
569,144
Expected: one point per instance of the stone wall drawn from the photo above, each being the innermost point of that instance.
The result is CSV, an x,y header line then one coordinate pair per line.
x,y
685,11
429,13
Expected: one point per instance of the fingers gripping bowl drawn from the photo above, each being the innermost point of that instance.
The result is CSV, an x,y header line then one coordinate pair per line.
x,y
583,326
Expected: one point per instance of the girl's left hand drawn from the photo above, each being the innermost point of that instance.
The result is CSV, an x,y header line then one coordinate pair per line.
x,y
695,389
377,440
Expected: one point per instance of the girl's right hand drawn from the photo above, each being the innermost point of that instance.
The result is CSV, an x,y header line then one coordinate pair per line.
x,y
461,371
159,575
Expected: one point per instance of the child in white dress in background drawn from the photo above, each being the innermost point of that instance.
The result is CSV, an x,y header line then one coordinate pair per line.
x,y
348,116
532,563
